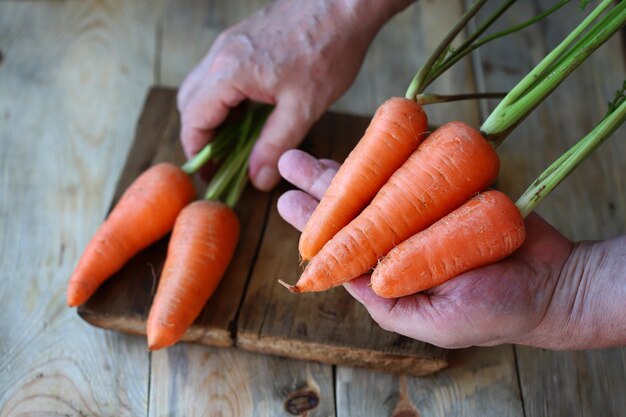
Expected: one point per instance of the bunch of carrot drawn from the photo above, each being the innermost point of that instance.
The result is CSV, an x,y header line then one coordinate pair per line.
x,y
203,238
417,211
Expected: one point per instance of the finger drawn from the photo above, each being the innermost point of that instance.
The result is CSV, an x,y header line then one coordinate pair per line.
x,y
306,172
193,82
206,111
296,208
330,163
188,88
284,129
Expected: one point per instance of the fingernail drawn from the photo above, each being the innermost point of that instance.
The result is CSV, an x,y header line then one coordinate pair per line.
x,y
266,178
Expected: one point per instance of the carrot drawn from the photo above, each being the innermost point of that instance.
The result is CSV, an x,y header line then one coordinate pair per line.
x,y
205,235
484,230
452,164
395,131
201,246
145,213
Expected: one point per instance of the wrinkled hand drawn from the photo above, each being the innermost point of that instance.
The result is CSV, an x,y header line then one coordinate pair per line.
x,y
532,297
299,56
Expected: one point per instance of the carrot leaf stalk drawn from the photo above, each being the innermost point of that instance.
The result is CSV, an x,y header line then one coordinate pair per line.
x,y
417,84
444,56
215,150
553,69
566,163
230,180
425,99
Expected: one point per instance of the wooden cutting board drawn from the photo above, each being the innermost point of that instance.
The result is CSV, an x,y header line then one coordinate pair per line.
x,y
250,310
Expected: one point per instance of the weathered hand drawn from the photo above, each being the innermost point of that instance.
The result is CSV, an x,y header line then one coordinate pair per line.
x,y
298,56
550,293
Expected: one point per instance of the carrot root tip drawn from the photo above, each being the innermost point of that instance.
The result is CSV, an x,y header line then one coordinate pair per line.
x,y
292,288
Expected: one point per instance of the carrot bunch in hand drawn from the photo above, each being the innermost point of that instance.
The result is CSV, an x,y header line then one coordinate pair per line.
x,y
434,218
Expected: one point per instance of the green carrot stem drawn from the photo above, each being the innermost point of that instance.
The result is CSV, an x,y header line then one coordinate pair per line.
x,y
230,180
211,150
467,49
239,183
241,178
549,59
417,84
223,176
429,98
565,164
508,114
484,26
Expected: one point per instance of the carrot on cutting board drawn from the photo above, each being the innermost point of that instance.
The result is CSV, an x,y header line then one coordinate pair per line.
x,y
450,166
145,213
201,246
484,230
204,239
397,128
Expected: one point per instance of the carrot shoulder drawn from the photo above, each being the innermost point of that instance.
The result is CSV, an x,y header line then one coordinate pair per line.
x,y
395,131
486,229
449,167
145,213
201,246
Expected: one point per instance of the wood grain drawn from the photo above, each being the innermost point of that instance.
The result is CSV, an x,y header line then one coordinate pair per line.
x,y
478,382
72,78
205,381
590,204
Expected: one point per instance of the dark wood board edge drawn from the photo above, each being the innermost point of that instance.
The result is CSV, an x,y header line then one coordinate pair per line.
x,y
342,355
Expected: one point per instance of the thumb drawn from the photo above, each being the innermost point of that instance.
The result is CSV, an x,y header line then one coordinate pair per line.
x,y
284,129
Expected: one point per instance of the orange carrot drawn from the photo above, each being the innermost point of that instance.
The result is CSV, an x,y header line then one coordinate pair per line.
x,y
145,213
452,164
201,246
395,131
484,230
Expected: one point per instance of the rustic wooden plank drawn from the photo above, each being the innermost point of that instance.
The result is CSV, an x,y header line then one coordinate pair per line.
x,y
72,78
590,204
330,327
475,384
583,383
123,302
194,380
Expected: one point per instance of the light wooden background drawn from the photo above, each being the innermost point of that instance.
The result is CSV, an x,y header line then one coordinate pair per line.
x,y
73,75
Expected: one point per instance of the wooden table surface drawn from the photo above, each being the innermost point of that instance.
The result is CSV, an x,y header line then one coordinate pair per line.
x,y
73,75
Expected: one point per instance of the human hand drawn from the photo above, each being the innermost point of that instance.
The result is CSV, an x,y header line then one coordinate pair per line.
x,y
298,56
543,295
